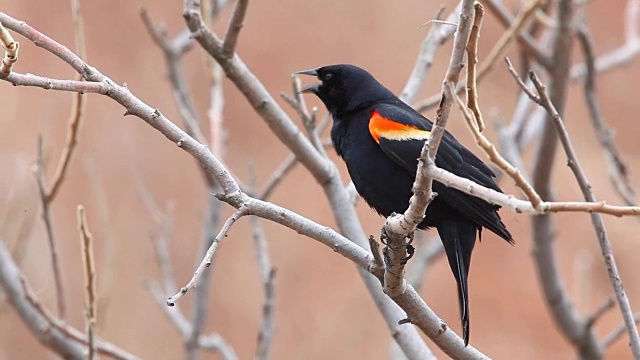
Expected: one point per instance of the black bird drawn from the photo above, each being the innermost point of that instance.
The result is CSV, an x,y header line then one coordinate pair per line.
x,y
380,139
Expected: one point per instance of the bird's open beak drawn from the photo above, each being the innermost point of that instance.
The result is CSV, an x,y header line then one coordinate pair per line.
x,y
313,88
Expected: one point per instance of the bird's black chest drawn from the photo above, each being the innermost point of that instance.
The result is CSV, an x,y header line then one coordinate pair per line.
x,y
383,184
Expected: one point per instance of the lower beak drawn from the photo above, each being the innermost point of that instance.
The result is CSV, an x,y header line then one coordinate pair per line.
x,y
313,88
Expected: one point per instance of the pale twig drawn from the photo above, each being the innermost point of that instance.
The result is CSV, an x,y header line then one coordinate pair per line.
x,y
215,112
235,25
77,109
617,333
267,274
436,37
472,62
617,169
49,331
91,317
48,224
206,261
527,91
212,342
10,47
308,118
596,219
200,305
600,311
277,176
164,221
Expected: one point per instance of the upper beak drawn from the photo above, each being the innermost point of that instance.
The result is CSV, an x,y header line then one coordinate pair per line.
x,y
312,72
313,88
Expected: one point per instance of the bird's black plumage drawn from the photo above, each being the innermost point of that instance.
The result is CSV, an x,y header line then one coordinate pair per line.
x,y
380,139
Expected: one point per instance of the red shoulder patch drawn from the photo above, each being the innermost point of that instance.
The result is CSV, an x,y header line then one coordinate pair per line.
x,y
381,127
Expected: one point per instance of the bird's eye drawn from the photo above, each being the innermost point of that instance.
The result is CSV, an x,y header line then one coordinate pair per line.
x,y
328,76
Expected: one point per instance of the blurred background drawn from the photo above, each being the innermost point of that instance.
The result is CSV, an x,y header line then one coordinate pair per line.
x,y
322,308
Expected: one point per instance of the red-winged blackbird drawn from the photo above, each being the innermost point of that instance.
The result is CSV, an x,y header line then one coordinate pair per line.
x,y
380,139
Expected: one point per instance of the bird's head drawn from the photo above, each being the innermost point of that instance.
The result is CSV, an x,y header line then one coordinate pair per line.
x,y
344,88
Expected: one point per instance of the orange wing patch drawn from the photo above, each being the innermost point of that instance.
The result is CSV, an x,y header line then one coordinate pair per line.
x,y
381,127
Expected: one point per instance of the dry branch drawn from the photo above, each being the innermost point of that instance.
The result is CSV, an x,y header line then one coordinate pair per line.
x,y
91,316
51,332
596,219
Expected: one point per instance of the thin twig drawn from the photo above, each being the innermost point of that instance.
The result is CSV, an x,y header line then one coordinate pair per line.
x,y
215,113
235,25
77,109
472,62
439,33
600,311
267,274
91,316
277,176
617,333
206,261
48,224
49,331
10,47
617,169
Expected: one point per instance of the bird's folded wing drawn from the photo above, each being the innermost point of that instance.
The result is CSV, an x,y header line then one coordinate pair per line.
x,y
401,135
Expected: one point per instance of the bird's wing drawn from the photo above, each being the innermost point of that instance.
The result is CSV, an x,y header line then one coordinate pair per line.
x,y
401,134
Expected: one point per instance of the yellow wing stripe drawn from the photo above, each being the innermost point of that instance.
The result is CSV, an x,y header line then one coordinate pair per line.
x,y
381,127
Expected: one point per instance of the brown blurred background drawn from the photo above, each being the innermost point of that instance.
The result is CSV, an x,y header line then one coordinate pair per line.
x,y
322,308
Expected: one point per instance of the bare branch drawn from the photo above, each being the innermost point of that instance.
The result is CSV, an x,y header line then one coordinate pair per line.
x,y
617,168
618,332
52,333
600,311
173,51
91,316
216,105
472,61
235,25
596,219
268,273
77,109
277,176
48,224
206,261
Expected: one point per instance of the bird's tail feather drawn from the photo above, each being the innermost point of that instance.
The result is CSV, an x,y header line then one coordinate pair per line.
x,y
458,237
